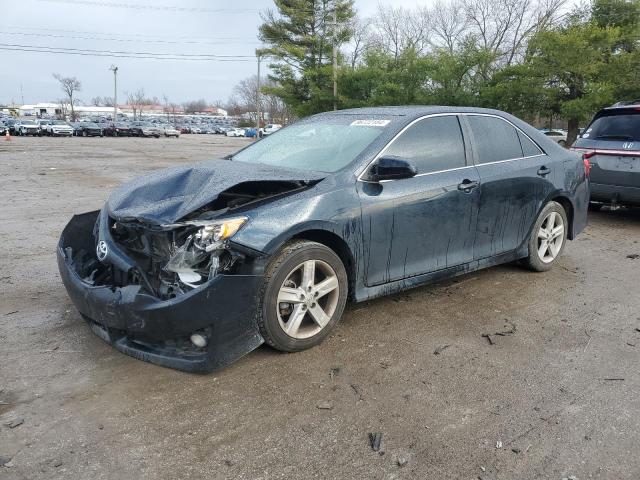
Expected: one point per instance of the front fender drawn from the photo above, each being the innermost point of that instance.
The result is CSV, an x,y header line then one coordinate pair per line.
x,y
270,226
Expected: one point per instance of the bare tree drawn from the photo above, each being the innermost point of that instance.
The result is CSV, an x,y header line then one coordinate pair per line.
x,y
397,29
63,107
247,93
137,100
448,25
245,100
195,106
503,26
361,37
70,86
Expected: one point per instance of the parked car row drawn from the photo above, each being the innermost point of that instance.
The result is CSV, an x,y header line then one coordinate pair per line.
x,y
59,128
150,127
252,132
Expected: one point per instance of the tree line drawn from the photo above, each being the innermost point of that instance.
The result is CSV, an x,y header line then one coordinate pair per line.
x,y
533,58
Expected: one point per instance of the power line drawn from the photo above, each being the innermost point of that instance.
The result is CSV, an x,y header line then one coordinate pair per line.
x,y
173,42
115,55
138,6
113,34
157,54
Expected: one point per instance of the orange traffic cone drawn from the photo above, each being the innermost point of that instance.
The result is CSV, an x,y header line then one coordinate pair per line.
x,y
7,136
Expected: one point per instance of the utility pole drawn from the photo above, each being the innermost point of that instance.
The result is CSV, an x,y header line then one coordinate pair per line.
x,y
258,103
260,52
114,69
335,56
21,94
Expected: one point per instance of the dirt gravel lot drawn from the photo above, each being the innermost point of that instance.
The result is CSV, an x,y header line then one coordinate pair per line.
x,y
559,397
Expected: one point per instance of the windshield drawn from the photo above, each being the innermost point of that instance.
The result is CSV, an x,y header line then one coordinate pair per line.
x,y
325,145
615,127
28,122
58,122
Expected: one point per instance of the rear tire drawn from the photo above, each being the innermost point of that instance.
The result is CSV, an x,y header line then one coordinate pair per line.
x,y
548,238
303,296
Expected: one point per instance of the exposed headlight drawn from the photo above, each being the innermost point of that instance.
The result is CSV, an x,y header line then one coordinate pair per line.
x,y
212,233
199,257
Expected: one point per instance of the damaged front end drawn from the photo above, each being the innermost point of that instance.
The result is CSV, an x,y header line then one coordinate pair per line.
x,y
179,295
177,258
156,272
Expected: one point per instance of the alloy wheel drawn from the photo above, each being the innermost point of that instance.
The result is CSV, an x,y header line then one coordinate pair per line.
x,y
307,299
550,237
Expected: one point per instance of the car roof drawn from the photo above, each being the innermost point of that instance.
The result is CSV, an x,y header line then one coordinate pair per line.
x,y
413,111
618,108
625,104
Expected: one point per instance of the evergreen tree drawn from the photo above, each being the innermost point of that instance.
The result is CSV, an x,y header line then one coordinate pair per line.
x,y
299,35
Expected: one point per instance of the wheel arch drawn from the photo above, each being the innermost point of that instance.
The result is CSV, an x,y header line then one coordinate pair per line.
x,y
569,210
330,240
338,245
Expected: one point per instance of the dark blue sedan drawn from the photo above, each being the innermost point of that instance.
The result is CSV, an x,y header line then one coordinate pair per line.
x,y
194,267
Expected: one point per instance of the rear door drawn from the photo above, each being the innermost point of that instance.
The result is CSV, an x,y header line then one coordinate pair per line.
x,y
515,178
428,222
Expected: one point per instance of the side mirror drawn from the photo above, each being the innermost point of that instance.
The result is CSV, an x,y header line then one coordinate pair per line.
x,y
391,168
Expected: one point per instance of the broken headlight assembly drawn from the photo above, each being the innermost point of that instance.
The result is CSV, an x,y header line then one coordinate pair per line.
x,y
199,258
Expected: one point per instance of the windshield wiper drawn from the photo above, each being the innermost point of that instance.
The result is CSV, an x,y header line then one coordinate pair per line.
x,y
613,137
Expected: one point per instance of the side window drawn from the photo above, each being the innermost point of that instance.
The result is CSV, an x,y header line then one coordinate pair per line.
x,y
495,139
432,144
528,147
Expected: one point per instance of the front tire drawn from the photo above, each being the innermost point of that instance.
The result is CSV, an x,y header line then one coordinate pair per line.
x,y
548,238
303,296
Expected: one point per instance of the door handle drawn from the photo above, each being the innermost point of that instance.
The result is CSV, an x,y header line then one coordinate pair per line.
x,y
544,171
467,185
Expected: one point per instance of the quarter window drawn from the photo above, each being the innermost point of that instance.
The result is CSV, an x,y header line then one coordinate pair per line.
x,y
529,148
431,145
495,139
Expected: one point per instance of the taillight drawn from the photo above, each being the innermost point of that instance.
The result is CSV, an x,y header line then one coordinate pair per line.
x,y
587,164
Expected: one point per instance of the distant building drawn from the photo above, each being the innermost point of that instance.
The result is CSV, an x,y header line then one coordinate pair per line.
x,y
39,109
57,110
216,111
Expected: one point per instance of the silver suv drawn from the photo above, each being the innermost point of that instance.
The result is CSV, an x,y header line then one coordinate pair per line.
x,y
611,144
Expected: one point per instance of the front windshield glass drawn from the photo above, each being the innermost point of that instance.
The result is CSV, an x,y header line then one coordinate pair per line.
x,y
324,145
28,122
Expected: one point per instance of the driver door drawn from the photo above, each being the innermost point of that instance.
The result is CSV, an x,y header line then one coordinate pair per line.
x,y
426,223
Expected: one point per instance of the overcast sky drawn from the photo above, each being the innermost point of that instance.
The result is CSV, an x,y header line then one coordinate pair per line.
x,y
190,27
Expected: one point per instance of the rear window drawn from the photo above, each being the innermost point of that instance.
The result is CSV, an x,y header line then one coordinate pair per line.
x,y
615,127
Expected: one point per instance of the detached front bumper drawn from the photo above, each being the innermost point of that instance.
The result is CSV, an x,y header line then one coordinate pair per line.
x,y
155,330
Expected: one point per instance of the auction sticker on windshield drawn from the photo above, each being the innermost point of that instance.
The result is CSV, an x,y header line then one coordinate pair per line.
x,y
370,123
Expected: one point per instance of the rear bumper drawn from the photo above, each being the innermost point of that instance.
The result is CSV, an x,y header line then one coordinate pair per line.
x,y
157,331
601,192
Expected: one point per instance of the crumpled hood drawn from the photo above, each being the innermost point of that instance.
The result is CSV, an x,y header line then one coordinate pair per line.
x,y
168,195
